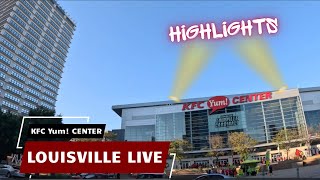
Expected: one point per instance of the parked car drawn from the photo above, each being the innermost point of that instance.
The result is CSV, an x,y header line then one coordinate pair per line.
x,y
9,171
151,176
212,176
79,176
99,176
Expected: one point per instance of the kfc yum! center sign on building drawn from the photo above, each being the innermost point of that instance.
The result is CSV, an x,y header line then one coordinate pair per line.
x,y
219,102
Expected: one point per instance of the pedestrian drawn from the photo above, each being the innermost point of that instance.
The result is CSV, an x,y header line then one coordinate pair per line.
x,y
118,176
270,170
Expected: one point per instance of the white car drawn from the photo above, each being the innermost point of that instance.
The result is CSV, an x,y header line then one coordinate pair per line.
x,y
9,171
212,176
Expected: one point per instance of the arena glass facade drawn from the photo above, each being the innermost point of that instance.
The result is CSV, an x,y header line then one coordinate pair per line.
x,y
261,115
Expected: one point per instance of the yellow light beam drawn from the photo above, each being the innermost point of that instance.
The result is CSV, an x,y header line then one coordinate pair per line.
x,y
194,57
258,56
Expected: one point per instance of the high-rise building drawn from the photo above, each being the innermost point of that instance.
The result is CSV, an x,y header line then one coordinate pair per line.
x,y
34,41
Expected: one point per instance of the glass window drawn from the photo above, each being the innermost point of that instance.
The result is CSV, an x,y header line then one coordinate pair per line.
x,y
43,13
58,60
36,79
5,51
34,33
42,61
46,4
30,44
10,105
46,50
3,67
8,44
170,127
45,9
35,85
58,16
11,97
11,38
55,26
53,82
46,43
48,38
16,26
51,88
199,129
33,92
44,55
18,76
16,83
25,2
255,122
273,117
49,93
24,9
4,59
139,133
14,32
30,98
67,31
38,22
14,90
36,28
24,17
20,69
53,30
32,39
312,118
56,77
29,105
31,53
25,57
17,19
40,18
2,75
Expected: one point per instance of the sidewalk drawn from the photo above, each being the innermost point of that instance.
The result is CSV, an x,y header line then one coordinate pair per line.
x,y
304,172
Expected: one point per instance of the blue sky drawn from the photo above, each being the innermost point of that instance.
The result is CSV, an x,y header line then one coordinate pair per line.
x,y
121,53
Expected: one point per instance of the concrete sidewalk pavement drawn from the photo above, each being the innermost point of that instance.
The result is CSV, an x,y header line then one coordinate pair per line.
x,y
304,172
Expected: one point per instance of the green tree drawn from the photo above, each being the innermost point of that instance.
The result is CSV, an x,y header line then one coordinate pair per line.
x,y
216,143
314,130
286,139
108,136
241,143
40,112
9,130
10,124
179,147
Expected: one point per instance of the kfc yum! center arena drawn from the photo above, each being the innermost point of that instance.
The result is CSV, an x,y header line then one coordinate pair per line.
x,y
261,115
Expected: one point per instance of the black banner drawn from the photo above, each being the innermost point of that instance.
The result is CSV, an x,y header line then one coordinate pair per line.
x,y
227,121
39,131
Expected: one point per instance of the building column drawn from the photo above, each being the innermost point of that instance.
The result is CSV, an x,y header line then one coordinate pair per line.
x,y
283,120
264,121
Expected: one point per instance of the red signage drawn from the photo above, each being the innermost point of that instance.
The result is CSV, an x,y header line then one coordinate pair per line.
x,y
94,157
252,98
190,106
220,102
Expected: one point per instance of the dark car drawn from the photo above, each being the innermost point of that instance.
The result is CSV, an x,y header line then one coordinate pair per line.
x,y
212,176
99,176
151,176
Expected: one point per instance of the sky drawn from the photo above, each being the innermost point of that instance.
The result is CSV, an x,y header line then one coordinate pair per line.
x,y
121,52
